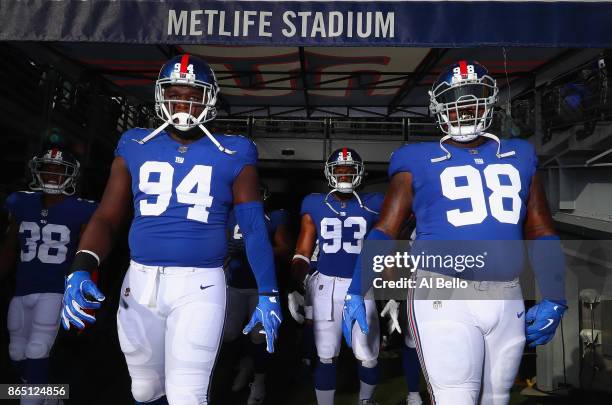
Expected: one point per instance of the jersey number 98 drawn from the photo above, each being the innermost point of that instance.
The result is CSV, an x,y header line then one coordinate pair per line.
x,y
474,191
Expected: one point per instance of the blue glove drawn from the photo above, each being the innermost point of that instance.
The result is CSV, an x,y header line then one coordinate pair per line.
x,y
542,320
268,313
354,310
81,293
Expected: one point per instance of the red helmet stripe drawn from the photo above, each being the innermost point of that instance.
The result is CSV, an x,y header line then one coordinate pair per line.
x,y
184,63
344,153
463,68
53,153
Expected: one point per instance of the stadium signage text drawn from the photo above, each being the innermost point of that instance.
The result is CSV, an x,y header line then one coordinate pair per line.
x,y
289,24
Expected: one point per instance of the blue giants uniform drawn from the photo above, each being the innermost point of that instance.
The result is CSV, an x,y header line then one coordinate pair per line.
x,y
182,197
474,195
340,236
48,238
240,274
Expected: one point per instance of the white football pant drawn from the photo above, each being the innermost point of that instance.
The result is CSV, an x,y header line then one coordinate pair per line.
x,y
33,321
170,325
327,294
470,342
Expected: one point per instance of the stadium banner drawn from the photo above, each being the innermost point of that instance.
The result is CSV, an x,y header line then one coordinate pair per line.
x,y
312,23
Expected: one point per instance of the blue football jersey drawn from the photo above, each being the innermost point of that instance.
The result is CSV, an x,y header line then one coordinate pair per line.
x,y
182,196
240,274
474,195
340,236
48,238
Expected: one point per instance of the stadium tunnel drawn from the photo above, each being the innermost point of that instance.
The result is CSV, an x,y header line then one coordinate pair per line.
x,y
298,101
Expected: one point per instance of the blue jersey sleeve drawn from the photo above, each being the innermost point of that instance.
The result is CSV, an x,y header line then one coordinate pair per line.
x,y
121,145
400,161
534,160
246,151
12,203
524,150
307,204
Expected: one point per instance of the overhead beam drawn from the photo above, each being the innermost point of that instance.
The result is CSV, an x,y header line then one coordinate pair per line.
x,y
434,56
363,110
330,112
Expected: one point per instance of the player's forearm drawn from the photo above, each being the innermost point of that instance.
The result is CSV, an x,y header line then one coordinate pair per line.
x,y
98,236
250,217
364,275
548,263
282,253
299,269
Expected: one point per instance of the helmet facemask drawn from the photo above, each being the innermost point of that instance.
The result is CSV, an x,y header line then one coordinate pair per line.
x,y
343,180
53,176
464,108
167,109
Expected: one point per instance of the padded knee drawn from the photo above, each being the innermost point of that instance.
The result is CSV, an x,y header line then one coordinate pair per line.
x,y
37,350
369,363
145,391
17,350
158,401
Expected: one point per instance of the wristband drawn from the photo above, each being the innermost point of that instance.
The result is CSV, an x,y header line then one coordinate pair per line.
x,y
85,260
301,257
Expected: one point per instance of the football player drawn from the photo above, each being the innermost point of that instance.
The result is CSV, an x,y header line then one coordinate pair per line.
x,y
181,181
339,220
242,297
477,187
44,229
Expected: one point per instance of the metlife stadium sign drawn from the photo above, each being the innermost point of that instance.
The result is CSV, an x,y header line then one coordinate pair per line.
x,y
315,23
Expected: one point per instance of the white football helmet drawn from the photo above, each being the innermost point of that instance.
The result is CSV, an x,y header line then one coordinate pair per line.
x,y
462,99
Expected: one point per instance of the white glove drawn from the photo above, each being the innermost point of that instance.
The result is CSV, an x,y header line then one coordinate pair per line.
x,y
391,310
296,306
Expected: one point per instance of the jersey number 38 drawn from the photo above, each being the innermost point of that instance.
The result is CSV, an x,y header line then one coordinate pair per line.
x,y
54,239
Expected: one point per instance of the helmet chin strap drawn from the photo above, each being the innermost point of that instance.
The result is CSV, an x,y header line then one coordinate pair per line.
x,y
485,134
202,127
356,196
213,140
